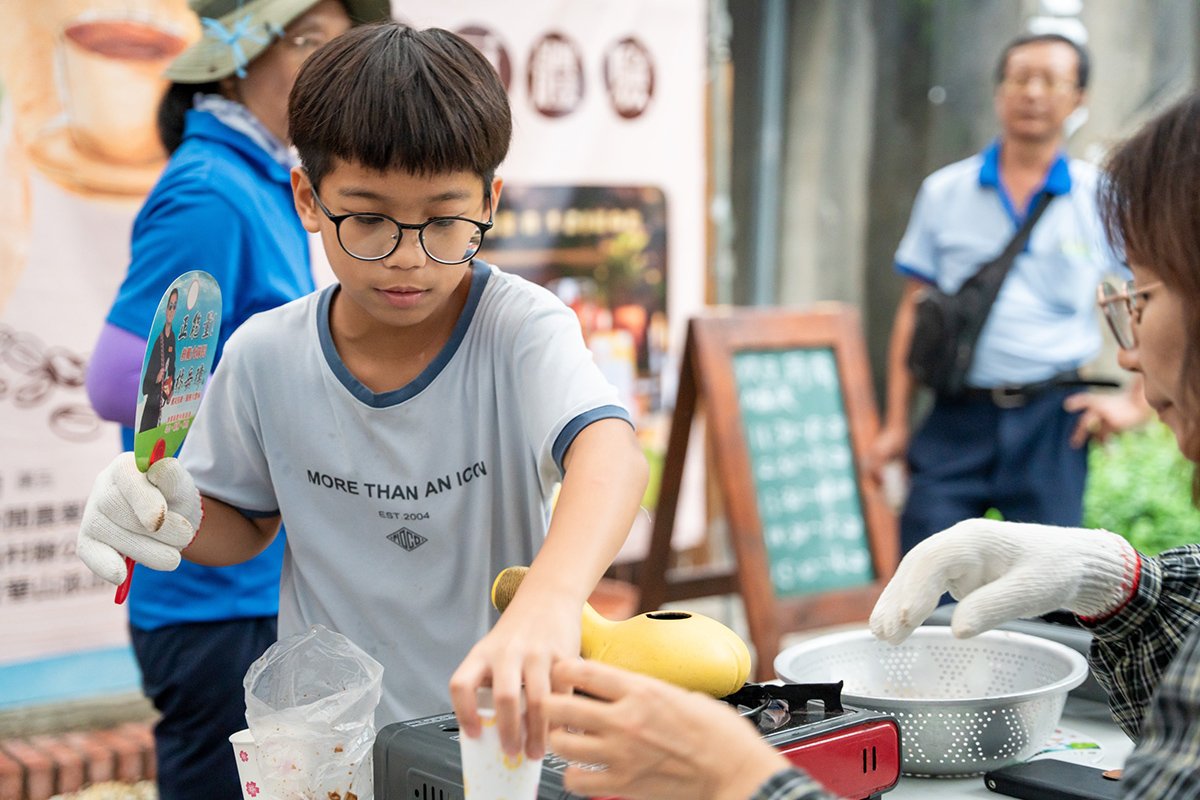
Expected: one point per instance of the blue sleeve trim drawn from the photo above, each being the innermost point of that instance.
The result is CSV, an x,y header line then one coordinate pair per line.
x,y
245,512
248,514
913,272
572,429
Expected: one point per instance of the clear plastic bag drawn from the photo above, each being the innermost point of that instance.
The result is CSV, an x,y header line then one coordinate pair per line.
x,y
310,705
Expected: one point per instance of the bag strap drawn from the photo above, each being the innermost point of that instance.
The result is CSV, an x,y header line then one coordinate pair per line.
x,y
993,273
988,279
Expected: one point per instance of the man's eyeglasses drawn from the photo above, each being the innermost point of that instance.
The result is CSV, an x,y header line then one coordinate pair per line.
x,y
374,237
1122,307
1053,85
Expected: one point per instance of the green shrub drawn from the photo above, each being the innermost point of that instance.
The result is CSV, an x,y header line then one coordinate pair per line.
x,y
1139,486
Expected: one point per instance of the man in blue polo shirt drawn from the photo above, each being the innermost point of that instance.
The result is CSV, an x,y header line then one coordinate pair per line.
x,y
1015,440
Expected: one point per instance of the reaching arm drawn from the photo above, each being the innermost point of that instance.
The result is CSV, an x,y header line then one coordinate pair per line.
x,y
604,479
892,440
605,476
659,742
113,372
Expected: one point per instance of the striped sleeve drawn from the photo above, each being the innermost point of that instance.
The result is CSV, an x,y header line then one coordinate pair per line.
x,y
1166,762
1131,652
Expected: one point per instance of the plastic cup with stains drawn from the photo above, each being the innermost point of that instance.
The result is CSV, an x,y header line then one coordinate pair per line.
x,y
490,774
245,751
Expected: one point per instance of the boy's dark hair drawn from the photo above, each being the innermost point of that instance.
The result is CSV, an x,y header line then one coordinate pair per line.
x,y
1150,205
1081,77
390,97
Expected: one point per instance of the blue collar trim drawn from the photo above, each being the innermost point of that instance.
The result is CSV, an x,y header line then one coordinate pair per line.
x,y
480,272
1057,181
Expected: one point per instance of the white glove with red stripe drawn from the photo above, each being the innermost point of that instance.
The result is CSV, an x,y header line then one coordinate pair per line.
x,y
148,516
999,571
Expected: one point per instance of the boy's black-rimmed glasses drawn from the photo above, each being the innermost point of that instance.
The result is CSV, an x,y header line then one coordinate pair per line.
x,y
374,237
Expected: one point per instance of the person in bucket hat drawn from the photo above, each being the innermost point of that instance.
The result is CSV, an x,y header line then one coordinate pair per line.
x,y
223,204
236,31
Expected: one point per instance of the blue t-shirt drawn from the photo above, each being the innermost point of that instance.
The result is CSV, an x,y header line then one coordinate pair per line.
x,y
225,206
1044,321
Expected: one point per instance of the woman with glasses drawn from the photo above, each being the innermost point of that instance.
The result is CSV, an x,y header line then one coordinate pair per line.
x,y
223,205
1142,612
660,742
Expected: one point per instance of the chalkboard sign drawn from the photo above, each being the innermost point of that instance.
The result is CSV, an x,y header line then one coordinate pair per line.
x,y
799,446
790,413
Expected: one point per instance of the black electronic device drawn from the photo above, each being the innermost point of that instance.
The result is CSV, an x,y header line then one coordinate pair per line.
x,y
1053,779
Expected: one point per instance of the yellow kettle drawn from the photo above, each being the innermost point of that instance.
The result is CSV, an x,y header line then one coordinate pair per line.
x,y
689,650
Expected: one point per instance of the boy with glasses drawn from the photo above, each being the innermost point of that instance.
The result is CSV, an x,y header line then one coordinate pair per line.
x,y
409,423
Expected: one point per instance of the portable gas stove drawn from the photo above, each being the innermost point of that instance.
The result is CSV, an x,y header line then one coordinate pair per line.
x,y
852,752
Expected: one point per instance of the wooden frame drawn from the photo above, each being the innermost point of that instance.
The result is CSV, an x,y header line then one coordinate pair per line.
x,y
707,376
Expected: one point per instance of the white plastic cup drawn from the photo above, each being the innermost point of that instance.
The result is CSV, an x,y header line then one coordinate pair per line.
x,y
245,751
490,774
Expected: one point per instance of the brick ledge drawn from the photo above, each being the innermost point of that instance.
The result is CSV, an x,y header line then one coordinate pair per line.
x,y
39,767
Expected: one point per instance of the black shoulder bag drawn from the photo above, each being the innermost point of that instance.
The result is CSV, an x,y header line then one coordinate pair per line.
x,y
947,326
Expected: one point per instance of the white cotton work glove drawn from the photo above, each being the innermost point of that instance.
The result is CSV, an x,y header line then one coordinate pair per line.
x,y
999,571
148,516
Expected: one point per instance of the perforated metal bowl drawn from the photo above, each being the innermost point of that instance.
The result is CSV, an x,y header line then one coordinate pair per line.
x,y
964,706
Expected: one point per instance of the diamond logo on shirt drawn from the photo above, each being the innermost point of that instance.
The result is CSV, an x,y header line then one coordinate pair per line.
x,y
409,540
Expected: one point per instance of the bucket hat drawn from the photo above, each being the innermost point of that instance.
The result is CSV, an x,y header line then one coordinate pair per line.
x,y
235,32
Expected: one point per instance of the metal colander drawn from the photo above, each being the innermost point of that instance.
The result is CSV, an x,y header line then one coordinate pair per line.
x,y
964,706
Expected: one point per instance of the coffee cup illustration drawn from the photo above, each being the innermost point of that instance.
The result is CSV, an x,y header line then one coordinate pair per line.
x,y
111,70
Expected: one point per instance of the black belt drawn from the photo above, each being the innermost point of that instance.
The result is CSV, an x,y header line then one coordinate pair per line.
x,y
1017,395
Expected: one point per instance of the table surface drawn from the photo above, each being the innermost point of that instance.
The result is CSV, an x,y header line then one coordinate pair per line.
x,y
1084,717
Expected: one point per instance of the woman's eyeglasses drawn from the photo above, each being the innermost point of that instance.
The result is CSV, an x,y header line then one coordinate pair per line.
x,y
1122,306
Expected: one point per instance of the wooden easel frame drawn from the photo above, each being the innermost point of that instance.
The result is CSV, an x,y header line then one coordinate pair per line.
x,y
706,375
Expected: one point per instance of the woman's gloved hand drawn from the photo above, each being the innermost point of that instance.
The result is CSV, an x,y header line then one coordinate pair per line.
x,y
999,571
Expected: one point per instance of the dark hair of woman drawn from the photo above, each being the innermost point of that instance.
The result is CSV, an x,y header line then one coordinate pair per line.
x,y
174,106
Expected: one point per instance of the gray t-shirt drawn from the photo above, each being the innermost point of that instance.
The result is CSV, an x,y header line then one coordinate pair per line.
x,y
401,507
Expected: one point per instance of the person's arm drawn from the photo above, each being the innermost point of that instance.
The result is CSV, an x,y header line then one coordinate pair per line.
x,y
226,536
1166,761
1132,650
605,476
113,372
1138,609
659,742
892,441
